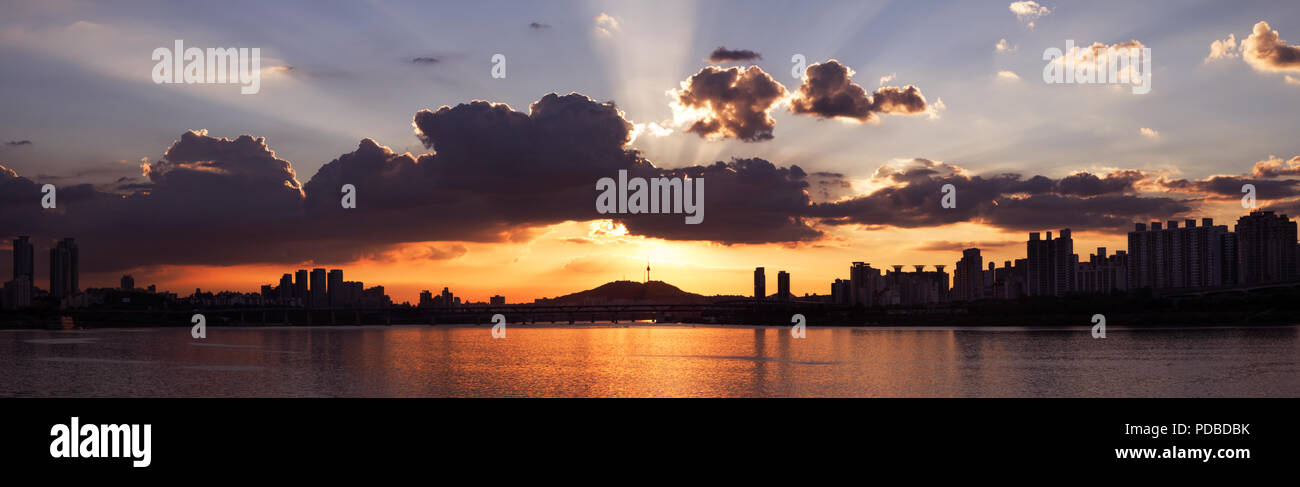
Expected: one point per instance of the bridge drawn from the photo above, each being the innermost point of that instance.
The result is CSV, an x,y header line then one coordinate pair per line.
x,y
723,312
1234,289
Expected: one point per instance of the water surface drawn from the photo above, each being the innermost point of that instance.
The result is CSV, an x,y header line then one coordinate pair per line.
x,y
640,361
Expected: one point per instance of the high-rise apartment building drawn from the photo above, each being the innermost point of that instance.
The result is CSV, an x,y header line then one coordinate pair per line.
x,y
968,278
1266,248
64,269
320,297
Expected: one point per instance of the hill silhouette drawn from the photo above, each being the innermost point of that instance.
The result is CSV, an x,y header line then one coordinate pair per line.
x,y
631,292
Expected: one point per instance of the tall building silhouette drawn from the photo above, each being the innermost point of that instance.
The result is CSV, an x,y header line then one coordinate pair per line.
x,y
446,298
1169,256
863,283
968,279
24,259
1266,248
760,283
782,286
320,297
64,269
1050,264
128,283
300,290
1102,273
1009,280
285,290
336,291
914,288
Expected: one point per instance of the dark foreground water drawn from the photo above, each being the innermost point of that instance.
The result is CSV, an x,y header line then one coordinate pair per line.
x,y
587,361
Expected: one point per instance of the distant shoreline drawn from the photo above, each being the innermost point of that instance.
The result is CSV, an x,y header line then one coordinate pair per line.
x,y
600,325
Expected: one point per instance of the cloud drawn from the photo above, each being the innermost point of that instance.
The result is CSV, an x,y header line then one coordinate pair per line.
x,y
15,143
1098,54
606,25
724,55
538,25
1227,187
732,103
1003,47
910,197
1264,50
1223,49
426,60
1028,12
829,92
495,174
1274,167
1291,80
746,201
949,246
1008,76
1148,132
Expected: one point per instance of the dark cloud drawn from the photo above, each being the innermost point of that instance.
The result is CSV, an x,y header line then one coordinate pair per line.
x,y
912,198
745,201
1264,50
829,92
948,246
538,25
828,186
426,60
724,55
495,174
1287,207
15,143
1229,187
735,102
1086,184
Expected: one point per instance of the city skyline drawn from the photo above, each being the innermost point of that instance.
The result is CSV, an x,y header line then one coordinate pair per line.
x,y
1261,248
216,186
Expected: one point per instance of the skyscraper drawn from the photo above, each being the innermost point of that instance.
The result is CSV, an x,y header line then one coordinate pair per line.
x,y
1169,256
968,281
337,294
760,283
1063,262
286,288
64,269
446,297
862,284
1049,264
300,291
24,259
782,286
1266,245
840,291
128,283
320,297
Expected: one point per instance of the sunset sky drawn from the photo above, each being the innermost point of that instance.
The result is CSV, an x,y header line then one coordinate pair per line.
x,y
816,171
